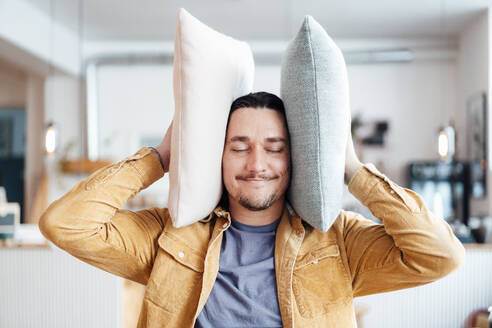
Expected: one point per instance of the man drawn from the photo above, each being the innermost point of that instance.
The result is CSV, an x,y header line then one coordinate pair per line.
x,y
252,263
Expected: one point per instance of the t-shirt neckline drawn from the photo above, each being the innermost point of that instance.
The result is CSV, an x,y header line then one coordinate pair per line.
x,y
254,228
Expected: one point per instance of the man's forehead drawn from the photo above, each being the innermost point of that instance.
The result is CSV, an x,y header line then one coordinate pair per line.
x,y
254,123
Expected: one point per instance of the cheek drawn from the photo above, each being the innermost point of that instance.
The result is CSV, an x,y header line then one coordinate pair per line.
x,y
229,169
284,172
283,166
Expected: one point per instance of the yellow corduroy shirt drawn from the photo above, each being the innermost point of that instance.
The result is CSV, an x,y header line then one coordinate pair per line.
x,y
318,274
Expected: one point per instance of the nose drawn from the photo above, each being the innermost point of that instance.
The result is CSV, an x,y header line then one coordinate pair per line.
x,y
256,161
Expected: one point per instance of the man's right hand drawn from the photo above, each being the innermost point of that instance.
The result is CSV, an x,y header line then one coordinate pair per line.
x,y
164,149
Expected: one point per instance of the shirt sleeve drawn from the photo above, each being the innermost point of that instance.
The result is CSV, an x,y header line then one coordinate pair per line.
x,y
88,221
411,247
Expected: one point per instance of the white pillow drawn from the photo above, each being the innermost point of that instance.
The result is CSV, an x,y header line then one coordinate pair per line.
x,y
210,71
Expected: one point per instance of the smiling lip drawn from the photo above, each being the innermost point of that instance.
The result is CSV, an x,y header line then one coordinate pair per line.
x,y
254,180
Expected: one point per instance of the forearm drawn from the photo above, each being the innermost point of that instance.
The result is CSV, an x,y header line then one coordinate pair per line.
x,y
350,171
425,242
91,203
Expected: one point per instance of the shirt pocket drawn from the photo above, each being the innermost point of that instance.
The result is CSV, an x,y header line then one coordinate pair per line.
x,y
320,281
177,274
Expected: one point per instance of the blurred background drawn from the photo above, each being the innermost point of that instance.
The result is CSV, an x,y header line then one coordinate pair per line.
x,y
84,83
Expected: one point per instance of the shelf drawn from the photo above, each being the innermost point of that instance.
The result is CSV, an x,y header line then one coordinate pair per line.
x,y
478,246
3,245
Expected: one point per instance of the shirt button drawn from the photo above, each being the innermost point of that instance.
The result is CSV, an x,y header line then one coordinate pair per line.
x,y
224,225
315,261
392,191
181,254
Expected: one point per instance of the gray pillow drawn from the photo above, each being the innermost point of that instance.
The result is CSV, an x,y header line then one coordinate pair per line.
x,y
314,88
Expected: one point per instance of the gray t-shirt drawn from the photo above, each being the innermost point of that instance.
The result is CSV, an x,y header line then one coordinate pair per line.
x,y
245,292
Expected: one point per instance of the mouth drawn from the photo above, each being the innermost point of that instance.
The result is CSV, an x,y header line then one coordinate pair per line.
x,y
256,181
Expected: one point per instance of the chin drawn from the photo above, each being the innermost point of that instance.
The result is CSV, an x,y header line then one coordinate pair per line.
x,y
256,196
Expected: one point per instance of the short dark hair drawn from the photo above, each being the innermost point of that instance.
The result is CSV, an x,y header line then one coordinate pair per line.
x,y
259,100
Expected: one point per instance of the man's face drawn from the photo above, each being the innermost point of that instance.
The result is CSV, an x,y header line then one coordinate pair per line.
x,y
256,158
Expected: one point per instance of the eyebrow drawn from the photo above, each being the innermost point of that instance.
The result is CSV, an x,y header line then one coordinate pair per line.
x,y
246,139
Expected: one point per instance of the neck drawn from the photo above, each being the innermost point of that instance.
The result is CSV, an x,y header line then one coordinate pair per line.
x,y
266,216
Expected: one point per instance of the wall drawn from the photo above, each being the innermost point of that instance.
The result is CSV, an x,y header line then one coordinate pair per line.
x,y
63,107
473,78
13,85
35,167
